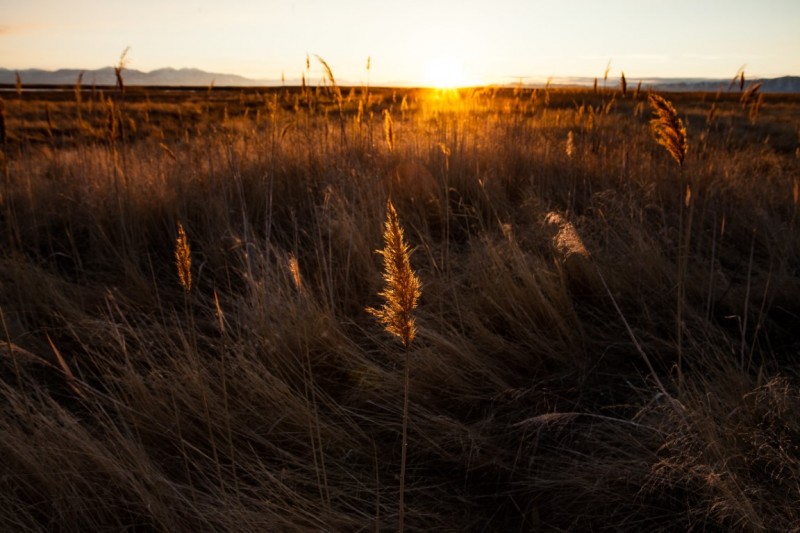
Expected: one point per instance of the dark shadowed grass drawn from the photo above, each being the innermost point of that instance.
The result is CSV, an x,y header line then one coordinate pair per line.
x,y
256,403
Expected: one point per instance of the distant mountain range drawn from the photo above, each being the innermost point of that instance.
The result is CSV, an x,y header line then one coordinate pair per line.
x,y
196,77
785,84
105,76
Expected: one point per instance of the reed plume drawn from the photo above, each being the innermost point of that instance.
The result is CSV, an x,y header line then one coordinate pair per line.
x,y
738,79
668,129
119,67
570,149
388,130
331,79
749,95
623,85
402,289
183,259
294,269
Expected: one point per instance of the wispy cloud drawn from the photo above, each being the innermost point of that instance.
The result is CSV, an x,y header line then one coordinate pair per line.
x,y
25,28
20,29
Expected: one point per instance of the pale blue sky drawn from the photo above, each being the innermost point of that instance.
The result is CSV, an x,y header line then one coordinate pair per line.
x,y
479,41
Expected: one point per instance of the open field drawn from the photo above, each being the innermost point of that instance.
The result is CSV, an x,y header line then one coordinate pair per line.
x,y
606,339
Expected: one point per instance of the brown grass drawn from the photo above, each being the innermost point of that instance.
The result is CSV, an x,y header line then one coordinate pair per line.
x,y
542,398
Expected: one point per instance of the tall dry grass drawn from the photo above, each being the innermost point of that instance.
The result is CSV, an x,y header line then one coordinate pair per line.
x,y
268,398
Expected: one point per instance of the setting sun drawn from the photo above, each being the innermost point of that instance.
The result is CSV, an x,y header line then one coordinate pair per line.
x,y
444,73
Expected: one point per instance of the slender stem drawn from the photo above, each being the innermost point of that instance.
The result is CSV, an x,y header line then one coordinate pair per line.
x,y
679,298
405,441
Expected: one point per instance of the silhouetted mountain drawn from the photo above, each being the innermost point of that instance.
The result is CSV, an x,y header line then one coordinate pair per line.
x,y
785,84
105,76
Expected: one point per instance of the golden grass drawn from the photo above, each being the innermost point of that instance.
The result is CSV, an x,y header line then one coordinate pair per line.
x,y
541,399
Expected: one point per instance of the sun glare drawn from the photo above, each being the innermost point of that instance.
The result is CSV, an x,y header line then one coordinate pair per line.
x,y
444,73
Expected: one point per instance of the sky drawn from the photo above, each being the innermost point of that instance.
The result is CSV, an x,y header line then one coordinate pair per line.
x,y
416,42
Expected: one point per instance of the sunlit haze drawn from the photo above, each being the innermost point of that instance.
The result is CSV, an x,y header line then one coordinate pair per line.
x,y
440,43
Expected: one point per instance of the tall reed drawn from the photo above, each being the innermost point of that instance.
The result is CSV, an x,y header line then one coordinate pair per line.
x,y
401,291
669,131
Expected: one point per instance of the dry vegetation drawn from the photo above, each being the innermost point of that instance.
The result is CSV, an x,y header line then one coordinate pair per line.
x,y
604,339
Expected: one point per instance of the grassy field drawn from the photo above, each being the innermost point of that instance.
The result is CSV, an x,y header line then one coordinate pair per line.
x,y
606,339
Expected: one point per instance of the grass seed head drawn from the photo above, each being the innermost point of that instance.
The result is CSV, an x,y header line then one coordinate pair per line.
x,y
668,129
402,288
183,259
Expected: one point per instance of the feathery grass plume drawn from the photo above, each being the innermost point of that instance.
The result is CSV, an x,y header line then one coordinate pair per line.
x,y
749,94
294,268
570,145
328,73
755,107
668,129
183,259
19,85
738,79
119,67
404,108
388,130
712,114
403,288
638,90
623,84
